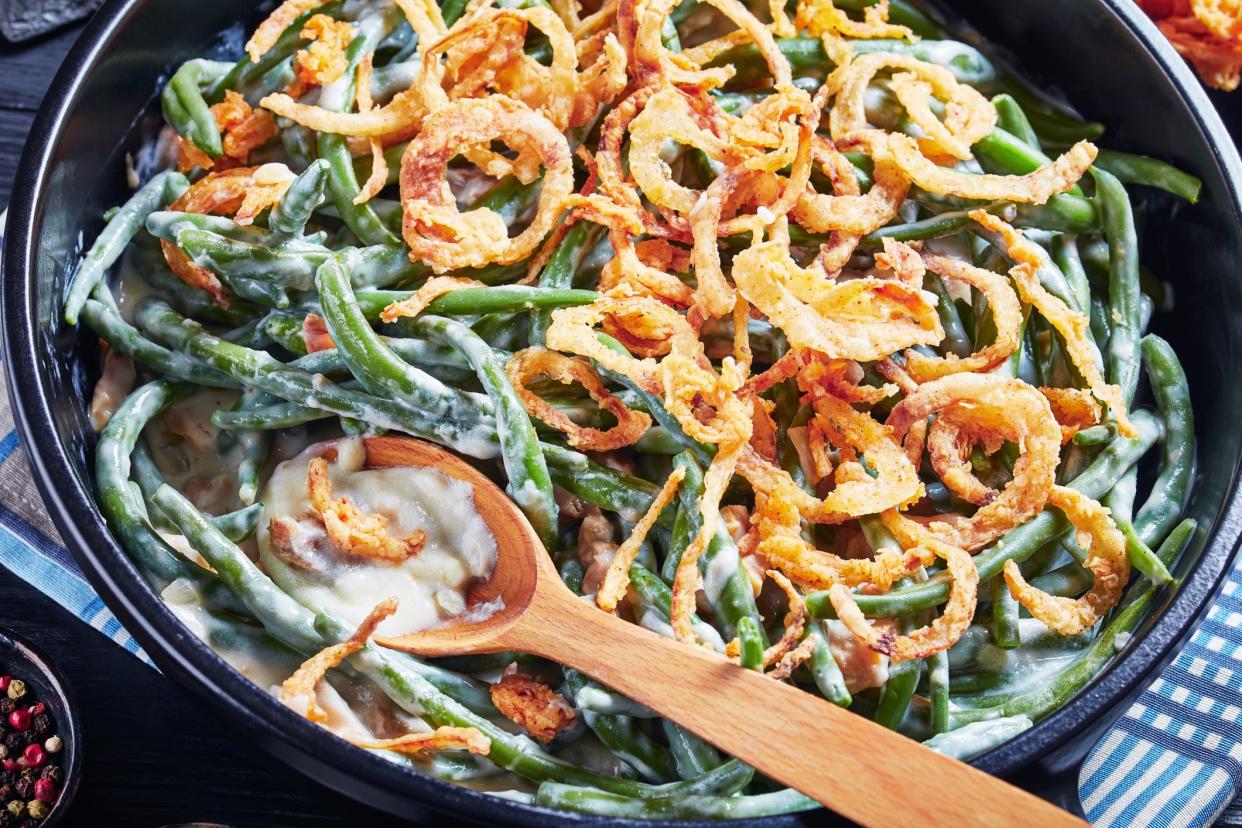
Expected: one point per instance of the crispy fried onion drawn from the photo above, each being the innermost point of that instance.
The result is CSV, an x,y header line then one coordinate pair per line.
x,y
270,30
969,116
528,364
242,191
353,531
1073,327
323,61
941,634
436,232
1003,409
298,691
315,334
860,319
428,292
1006,314
617,578
533,706
1035,187
442,738
379,166
948,447
1074,408
822,17
1218,62
242,130
647,268
654,63
1106,558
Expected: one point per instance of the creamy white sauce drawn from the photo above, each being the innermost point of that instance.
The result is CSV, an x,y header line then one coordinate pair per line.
x,y
430,586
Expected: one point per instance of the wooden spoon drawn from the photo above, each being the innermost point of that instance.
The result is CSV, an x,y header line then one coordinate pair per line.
x,y
853,766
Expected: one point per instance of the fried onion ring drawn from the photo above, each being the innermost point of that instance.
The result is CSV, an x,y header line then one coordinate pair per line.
x,y
1003,408
300,687
436,232
533,362
1106,558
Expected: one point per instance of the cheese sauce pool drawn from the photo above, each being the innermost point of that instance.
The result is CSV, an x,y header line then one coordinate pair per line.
x,y
430,587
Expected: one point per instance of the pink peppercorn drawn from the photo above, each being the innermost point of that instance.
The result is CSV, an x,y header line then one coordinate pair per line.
x,y
11,765
34,756
4,683
37,709
19,719
45,790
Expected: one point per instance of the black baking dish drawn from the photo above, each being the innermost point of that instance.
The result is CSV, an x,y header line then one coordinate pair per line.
x,y
1107,57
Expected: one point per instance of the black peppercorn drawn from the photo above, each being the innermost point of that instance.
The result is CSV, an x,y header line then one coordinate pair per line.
x,y
41,725
14,742
52,772
6,792
7,820
7,705
24,787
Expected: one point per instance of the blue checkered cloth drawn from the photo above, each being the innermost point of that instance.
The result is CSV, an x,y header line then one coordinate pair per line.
x,y
1172,760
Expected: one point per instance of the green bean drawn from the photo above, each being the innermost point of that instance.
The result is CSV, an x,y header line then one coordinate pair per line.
x,y
121,228
255,447
558,272
1171,490
1049,274
898,691
186,110
1051,122
381,370
615,491
191,301
126,339
1005,632
472,301
656,594
621,735
295,208
1011,118
1039,702
955,338
751,643
1150,172
1123,283
1094,436
260,370
1065,254
529,483
1141,555
824,668
1177,540
693,756
338,96
599,803
1017,544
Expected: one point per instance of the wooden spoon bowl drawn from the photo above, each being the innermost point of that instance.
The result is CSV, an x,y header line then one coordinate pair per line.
x,y
866,772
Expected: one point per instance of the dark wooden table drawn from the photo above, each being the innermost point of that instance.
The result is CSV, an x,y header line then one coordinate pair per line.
x,y
153,755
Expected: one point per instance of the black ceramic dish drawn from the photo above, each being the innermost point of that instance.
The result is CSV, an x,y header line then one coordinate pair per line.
x,y
46,683
1112,62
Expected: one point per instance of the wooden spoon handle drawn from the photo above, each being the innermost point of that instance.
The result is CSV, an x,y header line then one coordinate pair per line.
x,y
799,739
